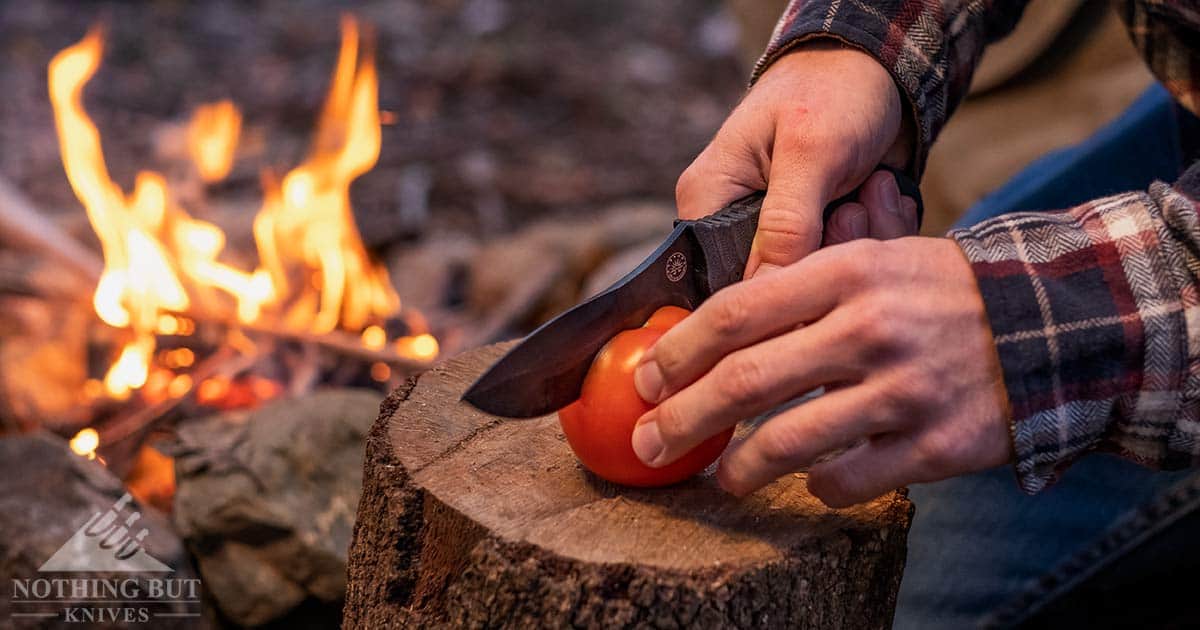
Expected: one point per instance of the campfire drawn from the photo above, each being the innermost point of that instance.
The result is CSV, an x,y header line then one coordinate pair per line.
x,y
181,317
224,238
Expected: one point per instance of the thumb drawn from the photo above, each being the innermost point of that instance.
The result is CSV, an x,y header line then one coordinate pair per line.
x,y
790,224
715,178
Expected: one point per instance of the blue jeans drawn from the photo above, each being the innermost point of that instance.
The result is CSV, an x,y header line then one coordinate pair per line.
x,y
977,541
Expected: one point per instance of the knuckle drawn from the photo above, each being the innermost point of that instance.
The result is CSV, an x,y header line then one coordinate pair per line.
x,y
876,420
671,361
876,325
788,219
686,184
919,391
671,424
782,444
831,485
742,379
729,312
897,396
934,454
871,327
860,263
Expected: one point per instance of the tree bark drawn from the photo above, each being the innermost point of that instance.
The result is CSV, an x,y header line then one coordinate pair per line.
x,y
470,520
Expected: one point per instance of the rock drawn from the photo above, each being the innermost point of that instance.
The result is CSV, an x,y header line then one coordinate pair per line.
x,y
430,277
47,494
266,501
574,248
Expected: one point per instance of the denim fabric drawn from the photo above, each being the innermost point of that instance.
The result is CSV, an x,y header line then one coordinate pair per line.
x,y
977,541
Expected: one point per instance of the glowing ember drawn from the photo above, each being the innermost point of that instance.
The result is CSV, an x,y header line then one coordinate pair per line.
x,y
178,358
152,478
243,393
212,139
423,347
374,337
314,273
212,390
179,386
381,372
85,443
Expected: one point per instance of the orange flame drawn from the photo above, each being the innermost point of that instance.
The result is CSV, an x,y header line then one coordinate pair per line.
x,y
212,138
314,272
307,220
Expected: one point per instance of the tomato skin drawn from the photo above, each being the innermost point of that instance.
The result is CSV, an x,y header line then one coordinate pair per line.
x,y
599,426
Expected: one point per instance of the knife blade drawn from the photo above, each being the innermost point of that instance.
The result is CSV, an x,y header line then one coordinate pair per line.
x,y
545,371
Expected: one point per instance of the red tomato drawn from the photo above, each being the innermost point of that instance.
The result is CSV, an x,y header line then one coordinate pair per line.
x,y
599,426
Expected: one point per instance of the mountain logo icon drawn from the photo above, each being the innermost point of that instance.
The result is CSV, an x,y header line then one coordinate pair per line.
x,y
106,543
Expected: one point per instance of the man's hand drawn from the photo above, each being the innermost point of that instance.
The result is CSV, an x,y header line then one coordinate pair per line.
x,y
815,125
895,331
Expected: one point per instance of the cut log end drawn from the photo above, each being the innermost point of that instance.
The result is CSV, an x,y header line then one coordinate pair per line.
x,y
471,520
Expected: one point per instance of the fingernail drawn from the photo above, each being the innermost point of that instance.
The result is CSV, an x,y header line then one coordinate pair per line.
x,y
891,196
648,380
647,442
855,223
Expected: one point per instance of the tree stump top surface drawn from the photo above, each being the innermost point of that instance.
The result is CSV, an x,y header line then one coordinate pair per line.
x,y
520,479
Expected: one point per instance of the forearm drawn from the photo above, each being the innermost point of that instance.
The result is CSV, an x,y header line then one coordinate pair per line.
x,y
1096,316
930,47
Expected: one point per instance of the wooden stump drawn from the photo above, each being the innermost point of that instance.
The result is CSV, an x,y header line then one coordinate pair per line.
x,y
471,520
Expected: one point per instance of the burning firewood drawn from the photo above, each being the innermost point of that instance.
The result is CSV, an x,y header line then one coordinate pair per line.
x,y
314,279
468,520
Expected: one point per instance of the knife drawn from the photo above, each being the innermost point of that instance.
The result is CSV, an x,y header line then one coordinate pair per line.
x,y
545,371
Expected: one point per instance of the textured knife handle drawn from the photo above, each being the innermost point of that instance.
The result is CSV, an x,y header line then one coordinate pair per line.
x,y
726,235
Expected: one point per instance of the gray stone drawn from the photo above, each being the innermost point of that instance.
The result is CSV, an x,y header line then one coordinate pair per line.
x,y
47,494
266,501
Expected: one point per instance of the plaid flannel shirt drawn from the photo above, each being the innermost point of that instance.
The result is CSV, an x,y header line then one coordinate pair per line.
x,y
1095,309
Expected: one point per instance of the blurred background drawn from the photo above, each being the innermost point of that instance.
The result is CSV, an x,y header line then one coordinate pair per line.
x,y
476,165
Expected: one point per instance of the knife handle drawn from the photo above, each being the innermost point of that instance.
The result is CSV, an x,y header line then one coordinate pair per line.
x,y
726,235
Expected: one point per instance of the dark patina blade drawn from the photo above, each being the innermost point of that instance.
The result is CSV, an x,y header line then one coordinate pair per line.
x,y
545,372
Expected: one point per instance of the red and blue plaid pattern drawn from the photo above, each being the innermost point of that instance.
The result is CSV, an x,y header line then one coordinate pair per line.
x,y
1095,309
931,48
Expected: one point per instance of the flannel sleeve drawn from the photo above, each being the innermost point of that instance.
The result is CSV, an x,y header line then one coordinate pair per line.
x,y
1096,315
930,47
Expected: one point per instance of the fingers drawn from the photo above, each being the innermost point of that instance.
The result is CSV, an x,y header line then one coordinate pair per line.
x,y
881,196
868,470
743,385
736,317
874,215
796,437
849,222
